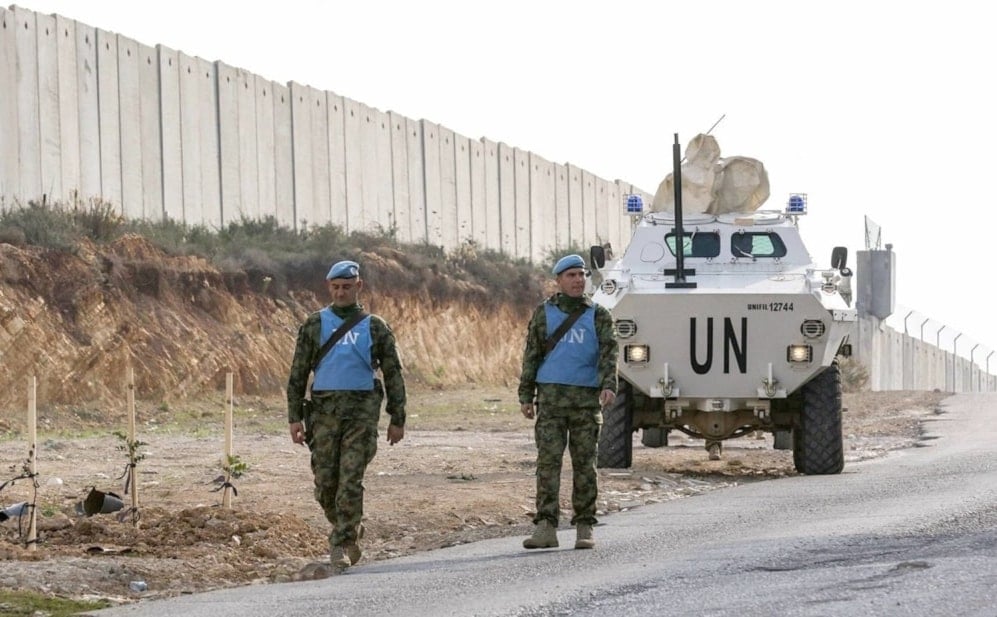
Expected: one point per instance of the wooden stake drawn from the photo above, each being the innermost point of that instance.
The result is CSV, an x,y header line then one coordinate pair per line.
x,y
227,494
132,464
32,458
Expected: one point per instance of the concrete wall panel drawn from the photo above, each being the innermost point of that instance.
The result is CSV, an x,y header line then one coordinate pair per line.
x,y
10,180
265,149
448,189
301,142
353,147
152,143
562,218
589,229
109,118
433,181
249,160
190,139
283,155
493,206
576,213
521,195
228,143
89,110
462,186
49,109
416,180
28,128
337,159
479,204
319,130
211,189
69,105
602,213
381,127
129,113
402,219
507,198
369,176
171,140
616,214
542,206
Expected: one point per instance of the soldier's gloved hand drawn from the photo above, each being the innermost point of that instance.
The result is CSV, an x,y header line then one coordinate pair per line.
x,y
528,410
395,434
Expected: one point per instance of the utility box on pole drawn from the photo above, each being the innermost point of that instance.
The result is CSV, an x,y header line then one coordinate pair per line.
x,y
877,282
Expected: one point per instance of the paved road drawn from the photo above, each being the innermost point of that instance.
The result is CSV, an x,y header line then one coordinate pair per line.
x,y
914,533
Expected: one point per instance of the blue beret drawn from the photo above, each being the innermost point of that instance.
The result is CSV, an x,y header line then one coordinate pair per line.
x,y
567,262
343,270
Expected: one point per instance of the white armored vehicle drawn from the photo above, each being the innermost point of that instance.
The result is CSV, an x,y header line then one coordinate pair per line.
x,y
737,332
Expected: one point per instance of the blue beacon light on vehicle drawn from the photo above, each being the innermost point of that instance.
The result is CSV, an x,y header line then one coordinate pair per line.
x,y
635,205
797,204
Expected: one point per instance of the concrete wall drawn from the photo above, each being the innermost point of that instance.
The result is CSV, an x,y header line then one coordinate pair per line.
x,y
164,135
898,361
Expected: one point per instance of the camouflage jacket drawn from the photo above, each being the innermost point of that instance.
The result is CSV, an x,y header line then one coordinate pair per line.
x,y
533,356
383,352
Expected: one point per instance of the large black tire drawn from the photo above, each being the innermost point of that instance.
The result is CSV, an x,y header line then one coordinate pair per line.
x,y
654,437
818,447
616,438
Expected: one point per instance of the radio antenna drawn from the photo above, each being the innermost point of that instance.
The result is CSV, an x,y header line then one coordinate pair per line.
x,y
719,120
710,130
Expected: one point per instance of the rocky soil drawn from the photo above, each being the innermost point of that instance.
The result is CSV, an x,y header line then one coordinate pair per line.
x,y
464,472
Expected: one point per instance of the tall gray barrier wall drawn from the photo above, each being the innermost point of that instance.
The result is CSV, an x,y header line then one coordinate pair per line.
x,y
164,135
899,361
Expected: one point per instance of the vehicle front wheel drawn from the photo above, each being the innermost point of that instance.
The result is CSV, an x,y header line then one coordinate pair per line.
x,y
616,438
817,442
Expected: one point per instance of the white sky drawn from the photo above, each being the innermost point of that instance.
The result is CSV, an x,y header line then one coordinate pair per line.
x,y
872,108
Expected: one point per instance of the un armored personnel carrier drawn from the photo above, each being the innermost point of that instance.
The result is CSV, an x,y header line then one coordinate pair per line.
x,y
726,327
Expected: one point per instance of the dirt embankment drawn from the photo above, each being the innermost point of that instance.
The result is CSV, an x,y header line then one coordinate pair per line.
x,y
77,320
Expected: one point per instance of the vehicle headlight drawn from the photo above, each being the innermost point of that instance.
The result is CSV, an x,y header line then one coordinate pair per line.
x,y
609,287
799,354
636,354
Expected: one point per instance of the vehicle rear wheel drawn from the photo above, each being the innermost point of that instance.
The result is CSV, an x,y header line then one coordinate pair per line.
x,y
817,442
616,438
654,437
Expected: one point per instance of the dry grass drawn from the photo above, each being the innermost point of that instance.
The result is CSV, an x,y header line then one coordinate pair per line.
x,y
457,344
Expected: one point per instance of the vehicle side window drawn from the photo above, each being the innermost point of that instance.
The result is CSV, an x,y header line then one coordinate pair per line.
x,y
757,244
696,243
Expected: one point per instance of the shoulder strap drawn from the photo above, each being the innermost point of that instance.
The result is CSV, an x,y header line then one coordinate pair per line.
x,y
343,328
558,334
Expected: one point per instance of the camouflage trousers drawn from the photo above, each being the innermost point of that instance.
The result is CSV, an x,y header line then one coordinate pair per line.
x,y
578,430
342,445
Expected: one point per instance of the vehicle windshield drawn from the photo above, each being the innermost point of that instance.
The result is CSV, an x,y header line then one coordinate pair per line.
x,y
696,243
756,244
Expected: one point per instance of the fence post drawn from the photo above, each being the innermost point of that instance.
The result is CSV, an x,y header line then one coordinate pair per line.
x,y
33,457
227,495
132,469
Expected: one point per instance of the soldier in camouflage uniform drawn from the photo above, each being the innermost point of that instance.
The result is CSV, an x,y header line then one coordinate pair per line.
x,y
566,390
339,422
